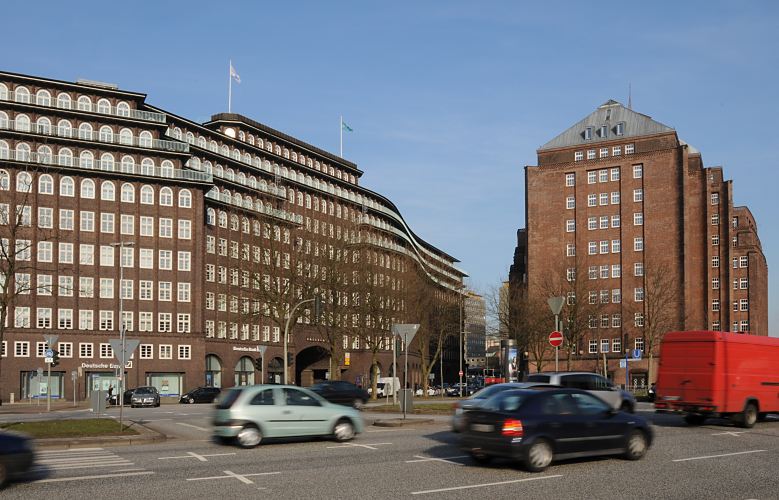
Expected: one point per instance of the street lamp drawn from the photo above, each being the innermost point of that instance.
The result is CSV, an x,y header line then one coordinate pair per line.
x,y
317,309
120,394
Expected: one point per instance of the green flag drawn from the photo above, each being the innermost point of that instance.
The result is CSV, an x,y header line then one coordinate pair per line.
x,y
346,127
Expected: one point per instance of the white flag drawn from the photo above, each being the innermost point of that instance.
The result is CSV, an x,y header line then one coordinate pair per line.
x,y
234,74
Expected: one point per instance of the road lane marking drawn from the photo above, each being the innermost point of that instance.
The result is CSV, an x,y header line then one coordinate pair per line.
x,y
435,459
718,456
350,445
730,433
101,476
483,485
193,426
229,474
191,454
390,430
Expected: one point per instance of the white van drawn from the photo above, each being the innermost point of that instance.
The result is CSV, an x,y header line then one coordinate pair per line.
x,y
385,386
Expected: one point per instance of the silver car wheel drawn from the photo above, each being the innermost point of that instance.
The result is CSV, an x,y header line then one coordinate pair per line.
x,y
637,445
539,456
191,400
249,437
344,431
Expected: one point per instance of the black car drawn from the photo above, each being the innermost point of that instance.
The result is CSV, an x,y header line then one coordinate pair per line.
x,y
200,395
113,400
535,427
341,392
16,456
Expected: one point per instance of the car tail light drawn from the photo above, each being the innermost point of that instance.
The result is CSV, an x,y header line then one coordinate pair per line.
x,y
512,427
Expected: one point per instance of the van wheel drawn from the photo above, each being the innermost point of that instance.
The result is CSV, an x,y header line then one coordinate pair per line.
x,y
249,437
748,418
636,445
539,456
694,419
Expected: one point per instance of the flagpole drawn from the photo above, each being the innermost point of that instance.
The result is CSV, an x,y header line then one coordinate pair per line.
x,y
342,135
230,87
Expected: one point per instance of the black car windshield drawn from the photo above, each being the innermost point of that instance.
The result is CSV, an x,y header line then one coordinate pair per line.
x,y
508,401
228,398
144,390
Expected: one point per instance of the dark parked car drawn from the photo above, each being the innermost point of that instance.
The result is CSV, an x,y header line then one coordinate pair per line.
x,y
16,456
127,395
341,392
201,395
536,427
145,396
595,384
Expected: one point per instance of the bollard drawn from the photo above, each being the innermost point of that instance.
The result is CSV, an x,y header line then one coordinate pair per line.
x,y
12,398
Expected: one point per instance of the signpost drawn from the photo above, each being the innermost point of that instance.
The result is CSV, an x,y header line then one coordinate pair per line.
x,y
406,332
636,353
50,340
123,349
74,378
261,349
556,305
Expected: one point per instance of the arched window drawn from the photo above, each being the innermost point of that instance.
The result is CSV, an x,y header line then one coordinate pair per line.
x,y
4,152
22,95
22,152
294,156
251,139
219,171
85,131
247,202
194,163
241,135
234,224
230,174
147,166
257,162
277,149
201,142
147,195
166,197
64,129
65,157
145,139
123,109
210,216
128,193
107,162
256,229
45,184
44,154
286,153
166,169
3,119
252,182
5,181
64,101
86,159
88,188
207,168
185,198
238,200
225,151
213,371
67,187
42,125
260,143
128,164
22,123
190,138
222,219
43,98
104,106
107,191
106,134
126,136
84,103
212,145
247,158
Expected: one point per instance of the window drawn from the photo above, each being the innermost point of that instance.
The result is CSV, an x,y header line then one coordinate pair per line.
x,y
616,271
184,229
165,322
603,199
715,198
604,152
587,133
88,189
604,345
184,261
715,220
570,202
715,240
185,352
638,219
743,283
638,244
616,246
593,347
570,226
743,261
107,223
615,221
715,283
715,261
743,304
615,174
638,269
604,271
715,305
604,246
638,195
615,198
638,319
616,296
616,151
638,170
592,223
87,221
146,351
166,351
592,200
638,294
603,175
106,320
590,154
570,250
578,156
592,248
592,177
604,222
166,227
629,149
183,323
21,349
85,320
593,272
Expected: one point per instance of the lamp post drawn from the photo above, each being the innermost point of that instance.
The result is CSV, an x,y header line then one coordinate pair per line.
x,y
317,303
460,351
120,394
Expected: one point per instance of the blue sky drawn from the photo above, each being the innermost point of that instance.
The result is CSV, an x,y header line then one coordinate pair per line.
x,y
448,100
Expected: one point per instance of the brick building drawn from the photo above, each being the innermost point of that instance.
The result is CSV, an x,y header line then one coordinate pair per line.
x,y
624,220
109,204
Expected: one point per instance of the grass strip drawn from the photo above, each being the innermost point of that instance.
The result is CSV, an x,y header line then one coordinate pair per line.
x,y
70,428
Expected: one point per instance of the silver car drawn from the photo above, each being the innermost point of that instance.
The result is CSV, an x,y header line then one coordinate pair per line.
x,y
250,414
595,384
479,398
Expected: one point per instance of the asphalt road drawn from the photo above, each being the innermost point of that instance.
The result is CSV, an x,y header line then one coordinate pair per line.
x,y
717,460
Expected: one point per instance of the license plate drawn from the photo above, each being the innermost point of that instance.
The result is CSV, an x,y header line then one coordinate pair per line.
x,y
482,428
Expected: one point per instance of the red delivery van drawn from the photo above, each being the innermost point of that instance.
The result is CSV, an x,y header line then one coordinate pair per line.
x,y
718,374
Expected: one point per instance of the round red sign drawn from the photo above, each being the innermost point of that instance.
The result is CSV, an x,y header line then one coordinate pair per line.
x,y
556,339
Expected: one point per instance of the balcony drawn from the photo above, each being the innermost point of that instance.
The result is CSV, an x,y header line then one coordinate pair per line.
x,y
266,210
136,114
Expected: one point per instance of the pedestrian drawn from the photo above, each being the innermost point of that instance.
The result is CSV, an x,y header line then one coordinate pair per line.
x,y
110,392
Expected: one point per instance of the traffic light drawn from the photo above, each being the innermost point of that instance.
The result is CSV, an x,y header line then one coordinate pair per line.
x,y
258,364
55,359
290,359
317,308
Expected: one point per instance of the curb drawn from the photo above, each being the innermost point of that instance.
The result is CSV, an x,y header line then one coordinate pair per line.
x,y
400,422
145,436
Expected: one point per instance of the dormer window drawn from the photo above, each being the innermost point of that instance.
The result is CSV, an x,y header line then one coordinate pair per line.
x,y
588,133
603,132
620,128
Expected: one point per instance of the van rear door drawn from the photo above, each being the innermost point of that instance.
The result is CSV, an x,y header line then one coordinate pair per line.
x,y
688,372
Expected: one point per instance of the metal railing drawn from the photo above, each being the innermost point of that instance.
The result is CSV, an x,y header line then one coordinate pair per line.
x,y
266,210
137,114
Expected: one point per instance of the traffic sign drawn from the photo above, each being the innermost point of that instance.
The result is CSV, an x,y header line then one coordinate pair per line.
x,y
48,359
129,346
556,339
460,373
49,353
637,354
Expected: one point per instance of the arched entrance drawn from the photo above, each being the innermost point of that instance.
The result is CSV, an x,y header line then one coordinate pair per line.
x,y
312,364
275,371
213,371
244,371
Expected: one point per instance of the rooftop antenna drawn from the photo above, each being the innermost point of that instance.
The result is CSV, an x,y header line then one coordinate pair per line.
x,y
630,97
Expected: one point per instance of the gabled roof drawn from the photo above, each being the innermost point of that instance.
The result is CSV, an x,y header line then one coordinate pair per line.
x,y
610,114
